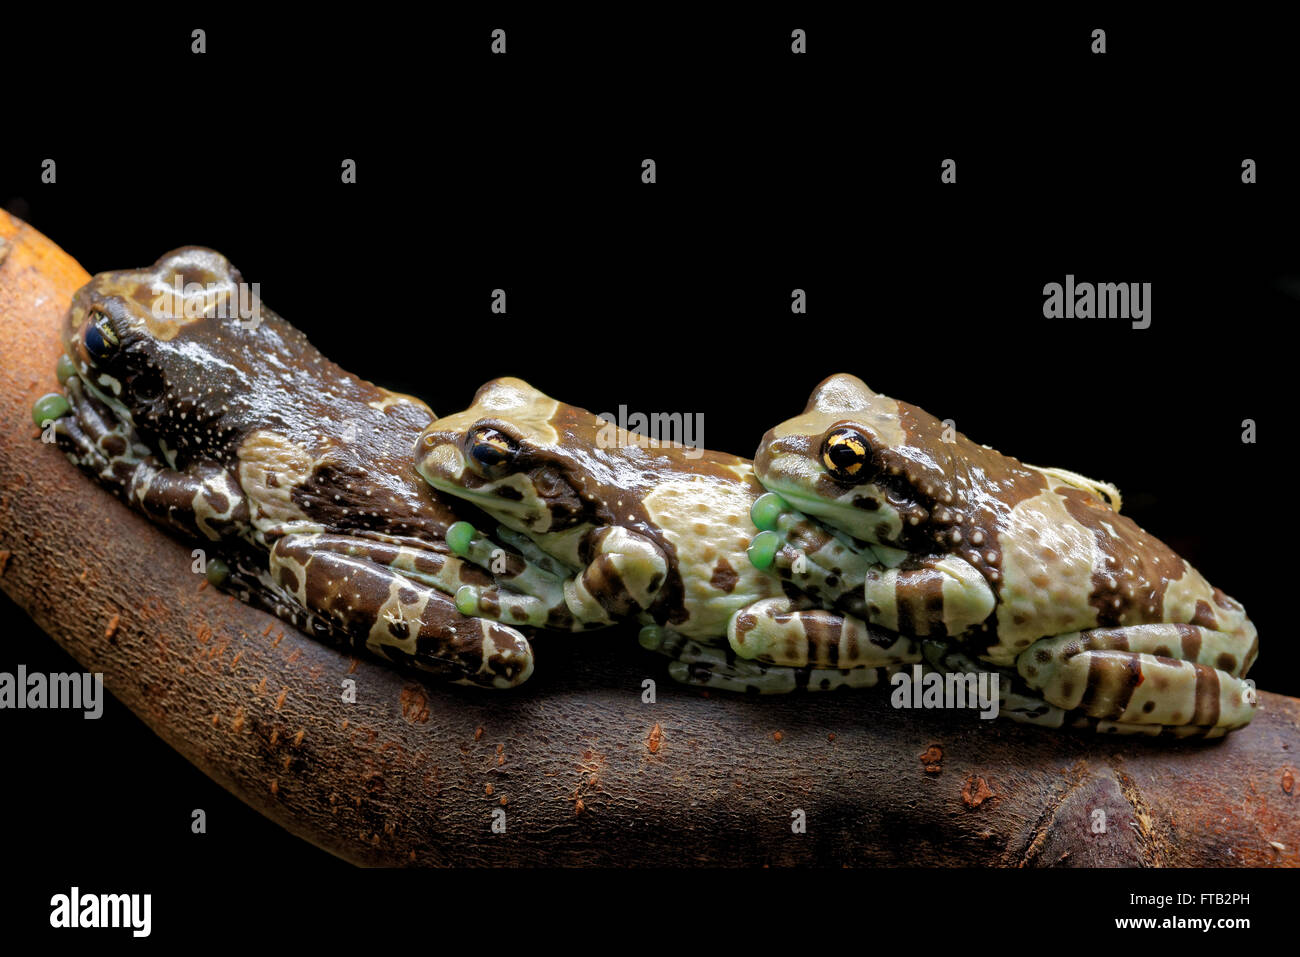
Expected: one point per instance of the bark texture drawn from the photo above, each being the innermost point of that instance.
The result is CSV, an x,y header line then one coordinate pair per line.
x,y
584,771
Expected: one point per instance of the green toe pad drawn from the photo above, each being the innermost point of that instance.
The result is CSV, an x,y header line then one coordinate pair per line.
x,y
459,537
767,509
467,600
762,550
52,405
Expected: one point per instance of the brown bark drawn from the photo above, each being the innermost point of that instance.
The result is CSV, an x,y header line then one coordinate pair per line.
x,y
585,772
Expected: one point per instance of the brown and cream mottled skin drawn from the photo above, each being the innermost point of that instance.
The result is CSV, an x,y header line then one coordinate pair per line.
x,y
1095,613
229,427
652,531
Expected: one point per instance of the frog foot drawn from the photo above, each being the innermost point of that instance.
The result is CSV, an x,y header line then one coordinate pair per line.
x,y
507,605
534,590
821,563
1155,676
530,584
713,666
932,595
90,435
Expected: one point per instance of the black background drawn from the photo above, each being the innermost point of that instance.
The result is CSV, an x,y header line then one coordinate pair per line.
x,y
774,172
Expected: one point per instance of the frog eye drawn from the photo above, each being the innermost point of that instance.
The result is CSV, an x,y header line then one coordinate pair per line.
x,y
99,337
492,451
847,456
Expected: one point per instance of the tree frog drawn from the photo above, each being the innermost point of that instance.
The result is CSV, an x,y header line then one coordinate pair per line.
x,y
652,531
1095,614
232,429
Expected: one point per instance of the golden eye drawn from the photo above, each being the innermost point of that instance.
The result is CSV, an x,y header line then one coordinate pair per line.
x,y
847,456
492,451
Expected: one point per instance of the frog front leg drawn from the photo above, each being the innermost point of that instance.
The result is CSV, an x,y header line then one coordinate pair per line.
x,y
624,575
931,595
359,586
201,501
1176,675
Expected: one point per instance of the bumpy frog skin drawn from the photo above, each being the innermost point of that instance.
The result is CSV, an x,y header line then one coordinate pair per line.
x,y
1013,564
239,433
657,533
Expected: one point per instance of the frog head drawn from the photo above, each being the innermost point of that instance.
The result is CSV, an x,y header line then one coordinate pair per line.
x,y
181,362
156,348
519,455
187,359
886,472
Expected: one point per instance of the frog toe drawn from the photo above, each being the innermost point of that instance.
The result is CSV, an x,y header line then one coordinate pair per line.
x,y
507,657
460,536
502,605
49,407
763,549
767,510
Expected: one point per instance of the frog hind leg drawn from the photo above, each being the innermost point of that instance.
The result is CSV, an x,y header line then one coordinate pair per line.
x,y
1024,708
247,578
716,666
395,616
1183,679
773,632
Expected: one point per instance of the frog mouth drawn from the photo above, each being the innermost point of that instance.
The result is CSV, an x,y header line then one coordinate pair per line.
x,y
445,470
815,506
837,519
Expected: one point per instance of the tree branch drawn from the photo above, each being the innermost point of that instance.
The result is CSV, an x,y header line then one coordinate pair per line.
x,y
585,772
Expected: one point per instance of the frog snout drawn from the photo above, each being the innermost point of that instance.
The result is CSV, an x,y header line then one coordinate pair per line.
x,y
439,459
